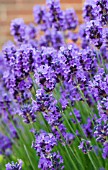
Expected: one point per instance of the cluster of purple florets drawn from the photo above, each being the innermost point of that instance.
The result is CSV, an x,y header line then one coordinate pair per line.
x,y
47,104
85,146
14,166
44,73
96,10
44,144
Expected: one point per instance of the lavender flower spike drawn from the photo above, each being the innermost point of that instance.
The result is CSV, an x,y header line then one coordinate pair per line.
x,y
85,145
14,166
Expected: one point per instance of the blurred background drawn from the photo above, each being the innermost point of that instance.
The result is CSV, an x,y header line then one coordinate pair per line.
x,y
11,9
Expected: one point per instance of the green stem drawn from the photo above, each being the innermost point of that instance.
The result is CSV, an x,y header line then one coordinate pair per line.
x,y
70,126
92,161
29,157
70,149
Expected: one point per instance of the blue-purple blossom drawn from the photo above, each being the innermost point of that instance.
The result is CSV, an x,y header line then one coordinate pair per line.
x,y
70,19
14,166
21,63
96,10
99,92
28,114
53,162
56,17
94,33
48,106
88,10
17,29
44,144
45,77
101,11
5,145
85,145
105,151
31,31
101,132
22,32
88,128
83,34
41,17
52,38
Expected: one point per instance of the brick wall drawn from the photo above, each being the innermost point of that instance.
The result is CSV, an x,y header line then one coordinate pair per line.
x,y
10,9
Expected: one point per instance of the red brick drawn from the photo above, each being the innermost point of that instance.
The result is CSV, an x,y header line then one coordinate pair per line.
x,y
10,9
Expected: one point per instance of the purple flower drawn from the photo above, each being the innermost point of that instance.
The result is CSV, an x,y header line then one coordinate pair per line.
x,y
94,33
105,43
14,166
31,32
56,17
77,114
5,145
88,128
69,138
88,10
22,33
43,101
52,38
53,162
63,100
45,77
83,34
101,11
28,114
21,64
44,144
101,132
98,86
8,53
46,103
105,151
47,68
39,13
17,29
96,10
70,19
85,146
41,17
69,61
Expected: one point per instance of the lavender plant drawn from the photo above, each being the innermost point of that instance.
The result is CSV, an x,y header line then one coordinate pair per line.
x,y
54,92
